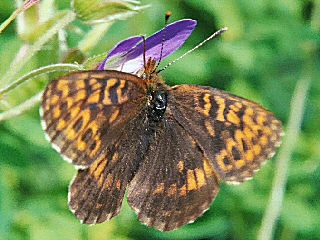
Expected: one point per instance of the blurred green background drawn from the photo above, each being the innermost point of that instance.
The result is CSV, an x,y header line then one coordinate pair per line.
x,y
270,46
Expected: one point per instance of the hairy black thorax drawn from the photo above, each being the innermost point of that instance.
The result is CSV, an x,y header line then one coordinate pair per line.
x,y
157,104
157,93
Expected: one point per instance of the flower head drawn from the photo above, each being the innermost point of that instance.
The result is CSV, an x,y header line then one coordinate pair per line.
x,y
127,55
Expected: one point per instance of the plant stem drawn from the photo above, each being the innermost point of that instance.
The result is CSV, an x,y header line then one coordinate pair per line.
x,y
10,19
13,16
21,108
273,209
38,72
68,17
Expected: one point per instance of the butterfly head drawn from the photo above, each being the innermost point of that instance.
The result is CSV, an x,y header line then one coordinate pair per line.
x,y
149,73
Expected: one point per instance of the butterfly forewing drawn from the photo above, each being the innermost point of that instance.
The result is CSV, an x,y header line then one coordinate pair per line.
x,y
83,111
176,183
237,135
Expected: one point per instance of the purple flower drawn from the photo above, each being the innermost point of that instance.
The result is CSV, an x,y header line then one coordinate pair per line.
x,y
127,55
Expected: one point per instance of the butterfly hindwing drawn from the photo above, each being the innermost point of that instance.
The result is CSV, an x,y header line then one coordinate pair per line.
x,y
176,183
96,193
80,111
237,135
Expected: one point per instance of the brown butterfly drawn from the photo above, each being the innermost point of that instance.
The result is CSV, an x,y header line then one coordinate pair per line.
x,y
170,147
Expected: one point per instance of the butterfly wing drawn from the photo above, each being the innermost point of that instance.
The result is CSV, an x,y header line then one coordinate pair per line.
x,y
237,135
92,118
96,193
84,112
176,182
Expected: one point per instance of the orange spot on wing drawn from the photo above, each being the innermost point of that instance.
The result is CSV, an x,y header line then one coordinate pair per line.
x,y
172,190
256,149
71,134
81,145
233,118
234,108
54,100
209,128
97,169
96,148
63,86
183,191
80,95
61,124
56,112
94,98
261,119
220,157
263,140
191,180
200,177
110,83
180,166
121,98
207,166
114,115
159,189
238,104
249,155
115,157
109,181
118,184
240,163
207,105
221,106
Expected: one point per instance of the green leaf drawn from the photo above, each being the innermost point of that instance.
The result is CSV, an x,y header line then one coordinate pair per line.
x,y
32,36
93,11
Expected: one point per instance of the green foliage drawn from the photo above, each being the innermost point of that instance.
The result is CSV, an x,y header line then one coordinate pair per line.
x,y
100,11
270,46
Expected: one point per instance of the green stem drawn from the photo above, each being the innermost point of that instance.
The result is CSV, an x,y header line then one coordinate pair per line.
x,y
14,15
68,17
21,108
10,19
273,209
38,72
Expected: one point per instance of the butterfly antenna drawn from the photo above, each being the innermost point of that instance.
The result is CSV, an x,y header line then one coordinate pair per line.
x,y
167,16
217,33
144,52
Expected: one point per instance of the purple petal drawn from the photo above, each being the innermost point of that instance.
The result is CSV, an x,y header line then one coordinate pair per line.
x,y
175,35
121,48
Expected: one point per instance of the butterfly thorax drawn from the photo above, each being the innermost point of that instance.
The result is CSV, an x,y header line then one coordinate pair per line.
x,y
157,92
157,95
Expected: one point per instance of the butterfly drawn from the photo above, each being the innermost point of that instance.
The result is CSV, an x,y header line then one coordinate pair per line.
x,y
170,148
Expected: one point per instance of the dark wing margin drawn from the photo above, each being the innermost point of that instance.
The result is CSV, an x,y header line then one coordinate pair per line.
x,y
81,110
175,183
236,134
